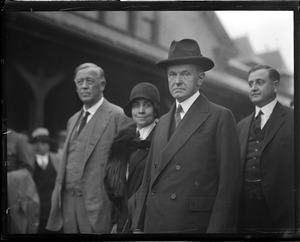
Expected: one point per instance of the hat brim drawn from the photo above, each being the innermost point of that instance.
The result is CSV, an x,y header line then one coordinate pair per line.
x,y
127,108
44,139
205,63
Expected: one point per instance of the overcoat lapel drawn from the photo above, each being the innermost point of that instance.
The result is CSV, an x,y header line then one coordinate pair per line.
x,y
275,121
194,118
98,124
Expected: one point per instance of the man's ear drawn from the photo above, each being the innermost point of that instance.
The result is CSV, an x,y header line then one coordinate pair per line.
x,y
201,78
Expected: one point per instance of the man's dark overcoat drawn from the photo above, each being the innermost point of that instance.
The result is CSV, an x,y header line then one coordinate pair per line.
x,y
192,181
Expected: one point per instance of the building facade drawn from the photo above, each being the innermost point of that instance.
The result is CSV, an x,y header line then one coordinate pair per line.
x,y
42,49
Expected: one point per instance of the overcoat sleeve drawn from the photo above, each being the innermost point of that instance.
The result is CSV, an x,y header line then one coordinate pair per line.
x,y
224,214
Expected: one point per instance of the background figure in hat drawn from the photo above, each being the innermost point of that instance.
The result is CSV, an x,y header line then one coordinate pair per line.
x,y
267,146
192,178
79,200
44,173
23,204
128,154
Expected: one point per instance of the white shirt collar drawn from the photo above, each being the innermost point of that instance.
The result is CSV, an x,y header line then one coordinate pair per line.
x,y
42,160
92,110
267,109
186,104
144,132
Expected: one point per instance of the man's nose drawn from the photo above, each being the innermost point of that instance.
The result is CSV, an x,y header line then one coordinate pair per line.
x,y
178,79
84,84
254,86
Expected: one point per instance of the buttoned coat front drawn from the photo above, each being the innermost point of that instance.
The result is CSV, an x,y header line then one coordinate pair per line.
x,y
103,127
192,181
276,164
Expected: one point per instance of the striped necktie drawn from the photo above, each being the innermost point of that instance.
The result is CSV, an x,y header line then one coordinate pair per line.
x,y
83,121
177,115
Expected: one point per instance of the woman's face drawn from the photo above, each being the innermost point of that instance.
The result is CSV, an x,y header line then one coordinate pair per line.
x,y
142,112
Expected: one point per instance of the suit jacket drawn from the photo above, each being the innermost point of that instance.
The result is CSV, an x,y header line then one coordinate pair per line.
x,y
276,163
104,125
192,181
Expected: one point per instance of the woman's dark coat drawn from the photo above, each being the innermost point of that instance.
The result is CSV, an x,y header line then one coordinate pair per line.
x,y
127,148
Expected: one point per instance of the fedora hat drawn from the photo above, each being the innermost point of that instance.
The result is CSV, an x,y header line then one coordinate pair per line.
x,y
40,135
186,51
143,90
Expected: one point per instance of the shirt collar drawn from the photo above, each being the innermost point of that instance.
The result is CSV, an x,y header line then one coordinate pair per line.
x,y
144,132
92,110
267,109
38,156
186,104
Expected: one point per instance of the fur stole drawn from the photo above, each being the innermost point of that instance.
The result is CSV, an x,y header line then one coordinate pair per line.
x,y
123,146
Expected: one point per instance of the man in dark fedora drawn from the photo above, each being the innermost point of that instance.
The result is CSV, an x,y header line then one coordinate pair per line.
x,y
192,179
44,172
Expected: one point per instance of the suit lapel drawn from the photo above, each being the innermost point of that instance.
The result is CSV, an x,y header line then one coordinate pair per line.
x,y
244,134
96,129
71,128
194,118
275,121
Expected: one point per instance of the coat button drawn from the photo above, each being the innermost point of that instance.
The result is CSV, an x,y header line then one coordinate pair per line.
x,y
152,193
173,196
177,167
155,165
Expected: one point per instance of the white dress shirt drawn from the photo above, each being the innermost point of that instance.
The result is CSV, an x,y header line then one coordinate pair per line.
x,y
186,104
92,110
267,111
42,160
144,132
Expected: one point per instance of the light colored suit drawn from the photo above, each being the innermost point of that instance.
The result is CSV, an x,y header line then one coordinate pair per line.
x,y
103,127
192,181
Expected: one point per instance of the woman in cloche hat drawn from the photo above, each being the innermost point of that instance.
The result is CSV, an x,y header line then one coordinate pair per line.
x,y
128,154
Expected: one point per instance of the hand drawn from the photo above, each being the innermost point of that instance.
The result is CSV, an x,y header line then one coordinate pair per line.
x,y
114,229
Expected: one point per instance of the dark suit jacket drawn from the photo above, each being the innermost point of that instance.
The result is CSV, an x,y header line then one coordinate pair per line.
x,y
276,163
192,182
102,129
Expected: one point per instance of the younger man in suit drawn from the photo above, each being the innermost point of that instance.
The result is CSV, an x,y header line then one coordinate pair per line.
x,y
192,177
267,147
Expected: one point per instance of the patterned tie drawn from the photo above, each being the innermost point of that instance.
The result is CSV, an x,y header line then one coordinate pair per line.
x,y
177,115
257,123
83,121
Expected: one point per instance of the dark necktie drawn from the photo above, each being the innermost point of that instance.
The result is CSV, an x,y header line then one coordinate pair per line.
x,y
138,134
257,123
177,115
83,121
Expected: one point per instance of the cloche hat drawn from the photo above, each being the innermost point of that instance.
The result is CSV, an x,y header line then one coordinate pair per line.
x,y
143,90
